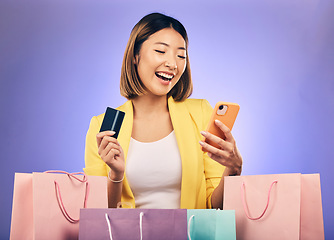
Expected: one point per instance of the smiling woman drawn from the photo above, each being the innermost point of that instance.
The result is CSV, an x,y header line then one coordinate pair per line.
x,y
157,160
161,61
144,30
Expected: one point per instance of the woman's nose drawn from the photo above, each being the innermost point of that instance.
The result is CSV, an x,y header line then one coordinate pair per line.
x,y
171,63
171,66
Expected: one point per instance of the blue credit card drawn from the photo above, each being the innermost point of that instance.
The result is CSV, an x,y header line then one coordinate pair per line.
x,y
112,121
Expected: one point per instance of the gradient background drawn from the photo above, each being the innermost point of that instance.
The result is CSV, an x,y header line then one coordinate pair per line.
x,y
60,64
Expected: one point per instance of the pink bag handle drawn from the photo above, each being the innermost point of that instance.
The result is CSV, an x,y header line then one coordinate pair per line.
x,y
245,205
84,179
58,194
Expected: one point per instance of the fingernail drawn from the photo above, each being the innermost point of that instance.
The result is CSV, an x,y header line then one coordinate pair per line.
x,y
203,133
201,143
112,132
217,121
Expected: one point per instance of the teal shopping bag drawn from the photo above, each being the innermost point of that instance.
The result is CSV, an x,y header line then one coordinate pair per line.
x,y
211,224
225,224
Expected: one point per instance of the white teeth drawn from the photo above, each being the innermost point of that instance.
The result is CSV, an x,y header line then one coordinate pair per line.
x,y
165,75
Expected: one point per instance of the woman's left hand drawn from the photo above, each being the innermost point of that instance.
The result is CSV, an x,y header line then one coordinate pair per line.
x,y
227,154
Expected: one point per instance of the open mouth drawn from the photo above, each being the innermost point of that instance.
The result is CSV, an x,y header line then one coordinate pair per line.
x,y
164,76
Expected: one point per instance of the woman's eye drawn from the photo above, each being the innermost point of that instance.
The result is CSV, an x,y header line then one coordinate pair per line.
x,y
182,57
158,51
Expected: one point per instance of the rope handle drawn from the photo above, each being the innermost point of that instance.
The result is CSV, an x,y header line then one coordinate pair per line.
x,y
73,175
141,214
109,226
189,224
59,197
245,205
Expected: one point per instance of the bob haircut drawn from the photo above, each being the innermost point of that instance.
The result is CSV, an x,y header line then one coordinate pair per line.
x,y
130,84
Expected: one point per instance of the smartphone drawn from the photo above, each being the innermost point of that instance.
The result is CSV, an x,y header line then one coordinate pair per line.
x,y
226,113
112,121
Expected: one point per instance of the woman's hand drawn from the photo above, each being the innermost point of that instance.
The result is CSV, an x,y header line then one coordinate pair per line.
x,y
111,153
227,154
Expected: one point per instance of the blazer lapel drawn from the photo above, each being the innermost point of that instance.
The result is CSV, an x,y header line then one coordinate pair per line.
x,y
186,140
124,139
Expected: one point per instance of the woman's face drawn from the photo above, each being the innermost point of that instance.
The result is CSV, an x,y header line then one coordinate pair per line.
x,y
161,61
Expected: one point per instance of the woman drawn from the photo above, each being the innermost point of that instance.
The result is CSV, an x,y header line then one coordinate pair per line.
x,y
157,161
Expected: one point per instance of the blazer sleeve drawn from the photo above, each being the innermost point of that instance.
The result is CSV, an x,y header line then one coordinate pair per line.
x,y
213,170
94,165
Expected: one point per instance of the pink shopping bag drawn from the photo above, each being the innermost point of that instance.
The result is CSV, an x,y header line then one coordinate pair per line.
x,y
278,206
47,205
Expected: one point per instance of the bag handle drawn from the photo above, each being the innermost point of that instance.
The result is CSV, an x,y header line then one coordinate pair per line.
x,y
84,179
109,226
58,194
189,224
245,205
141,214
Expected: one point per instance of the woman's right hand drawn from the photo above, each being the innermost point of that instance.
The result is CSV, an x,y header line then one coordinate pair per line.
x,y
111,153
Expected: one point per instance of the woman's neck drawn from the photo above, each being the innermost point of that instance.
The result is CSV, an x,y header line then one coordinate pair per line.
x,y
151,118
144,106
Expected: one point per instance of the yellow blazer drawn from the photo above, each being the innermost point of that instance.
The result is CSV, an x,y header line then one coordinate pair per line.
x,y
200,174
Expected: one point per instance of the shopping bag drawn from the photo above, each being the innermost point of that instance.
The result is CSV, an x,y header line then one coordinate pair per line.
x,y
225,225
211,224
47,205
278,206
133,224
311,215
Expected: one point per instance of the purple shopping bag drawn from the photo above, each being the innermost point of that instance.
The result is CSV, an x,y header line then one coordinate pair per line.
x,y
132,224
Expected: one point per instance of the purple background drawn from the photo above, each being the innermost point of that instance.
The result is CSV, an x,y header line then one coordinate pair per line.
x,y
60,65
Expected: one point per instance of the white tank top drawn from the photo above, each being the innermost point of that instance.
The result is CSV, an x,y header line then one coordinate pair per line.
x,y
154,172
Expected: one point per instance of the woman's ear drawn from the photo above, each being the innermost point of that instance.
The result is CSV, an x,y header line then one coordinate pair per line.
x,y
136,60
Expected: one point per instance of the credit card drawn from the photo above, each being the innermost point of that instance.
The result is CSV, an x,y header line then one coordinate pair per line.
x,y
112,121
